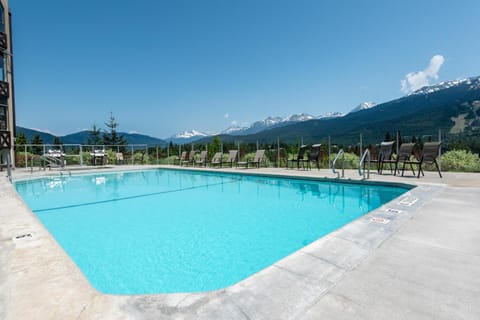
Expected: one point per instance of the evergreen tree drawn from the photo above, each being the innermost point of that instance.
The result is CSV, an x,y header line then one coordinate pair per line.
x,y
214,147
111,137
21,140
57,142
94,138
37,144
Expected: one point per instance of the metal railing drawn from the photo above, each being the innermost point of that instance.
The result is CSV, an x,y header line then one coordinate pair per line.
x,y
361,163
340,153
51,155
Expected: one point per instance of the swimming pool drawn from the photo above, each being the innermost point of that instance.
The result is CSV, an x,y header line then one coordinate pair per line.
x,y
164,231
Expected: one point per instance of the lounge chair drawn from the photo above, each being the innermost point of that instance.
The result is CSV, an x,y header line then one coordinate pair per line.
x,y
384,156
314,155
429,155
99,155
232,157
403,155
259,155
300,157
119,157
202,160
190,160
217,160
182,158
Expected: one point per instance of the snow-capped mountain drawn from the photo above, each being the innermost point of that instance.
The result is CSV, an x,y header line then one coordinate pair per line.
x,y
190,134
363,106
330,115
473,83
257,126
233,130
298,117
268,123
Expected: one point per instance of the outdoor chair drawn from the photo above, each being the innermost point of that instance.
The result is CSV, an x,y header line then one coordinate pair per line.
x,y
384,156
314,155
428,155
119,158
259,155
183,157
232,157
404,154
99,155
190,160
300,158
217,159
202,160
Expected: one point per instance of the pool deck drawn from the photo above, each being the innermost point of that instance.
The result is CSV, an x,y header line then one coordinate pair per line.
x,y
416,257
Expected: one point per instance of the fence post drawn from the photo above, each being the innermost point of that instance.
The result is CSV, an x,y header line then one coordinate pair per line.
x,y
329,153
146,152
26,158
440,149
278,152
398,140
81,155
361,145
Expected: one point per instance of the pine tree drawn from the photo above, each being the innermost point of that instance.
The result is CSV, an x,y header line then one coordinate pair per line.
x,y
57,142
214,147
37,144
94,138
111,137
21,140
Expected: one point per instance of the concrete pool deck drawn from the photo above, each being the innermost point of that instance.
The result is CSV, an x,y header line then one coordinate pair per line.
x,y
417,257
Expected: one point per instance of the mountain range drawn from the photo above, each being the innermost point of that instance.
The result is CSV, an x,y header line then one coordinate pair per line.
x,y
81,137
257,126
453,106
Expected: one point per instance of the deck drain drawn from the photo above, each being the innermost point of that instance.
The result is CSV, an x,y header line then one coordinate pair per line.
x,y
25,235
379,220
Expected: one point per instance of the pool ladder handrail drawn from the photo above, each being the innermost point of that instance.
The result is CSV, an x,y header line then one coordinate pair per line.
x,y
361,163
340,153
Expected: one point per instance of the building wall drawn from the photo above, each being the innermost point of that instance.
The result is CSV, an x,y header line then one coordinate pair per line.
x,y
7,57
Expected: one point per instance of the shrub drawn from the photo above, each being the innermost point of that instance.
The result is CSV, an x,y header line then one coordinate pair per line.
x,y
351,161
460,160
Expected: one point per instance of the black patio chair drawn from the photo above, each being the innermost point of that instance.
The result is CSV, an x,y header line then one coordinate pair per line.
x,y
428,155
300,159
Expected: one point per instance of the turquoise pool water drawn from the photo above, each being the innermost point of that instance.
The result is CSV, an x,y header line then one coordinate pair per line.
x,y
164,231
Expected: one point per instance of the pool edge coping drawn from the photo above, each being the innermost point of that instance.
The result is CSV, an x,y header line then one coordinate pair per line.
x,y
130,303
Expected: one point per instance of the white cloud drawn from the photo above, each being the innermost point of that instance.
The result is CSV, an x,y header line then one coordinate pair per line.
x,y
234,123
226,115
416,80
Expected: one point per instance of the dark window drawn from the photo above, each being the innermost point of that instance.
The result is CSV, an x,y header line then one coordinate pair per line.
x,y
3,118
3,74
2,18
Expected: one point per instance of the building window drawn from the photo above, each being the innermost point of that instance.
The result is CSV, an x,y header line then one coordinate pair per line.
x,y
3,118
3,74
2,18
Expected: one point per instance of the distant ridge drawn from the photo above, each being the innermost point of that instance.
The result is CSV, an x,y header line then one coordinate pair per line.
x,y
81,137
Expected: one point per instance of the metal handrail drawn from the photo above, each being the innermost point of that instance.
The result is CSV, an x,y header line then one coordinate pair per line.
x,y
340,153
362,160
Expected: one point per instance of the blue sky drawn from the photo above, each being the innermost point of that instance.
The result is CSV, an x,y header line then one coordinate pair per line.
x,y
163,67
